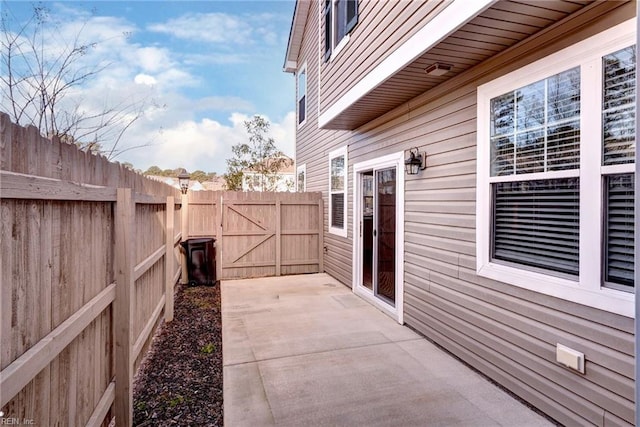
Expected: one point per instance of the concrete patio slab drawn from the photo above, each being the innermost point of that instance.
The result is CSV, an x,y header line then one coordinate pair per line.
x,y
304,350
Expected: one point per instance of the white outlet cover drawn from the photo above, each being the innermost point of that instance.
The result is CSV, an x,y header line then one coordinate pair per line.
x,y
570,358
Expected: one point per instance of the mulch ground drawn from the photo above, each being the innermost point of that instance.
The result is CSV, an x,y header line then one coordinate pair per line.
x,y
180,380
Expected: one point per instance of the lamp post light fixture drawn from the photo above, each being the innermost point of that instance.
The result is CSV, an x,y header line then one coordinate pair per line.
x,y
183,180
416,162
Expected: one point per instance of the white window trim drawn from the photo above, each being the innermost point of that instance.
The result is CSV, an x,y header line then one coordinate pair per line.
x,y
337,48
342,232
302,168
302,69
588,289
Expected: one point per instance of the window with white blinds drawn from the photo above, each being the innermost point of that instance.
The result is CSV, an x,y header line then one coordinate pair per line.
x,y
338,191
555,173
302,95
536,129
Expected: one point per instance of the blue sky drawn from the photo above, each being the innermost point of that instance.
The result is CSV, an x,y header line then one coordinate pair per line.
x,y
199,69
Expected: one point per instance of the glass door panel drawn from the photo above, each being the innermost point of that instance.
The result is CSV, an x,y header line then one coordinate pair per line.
x,y
385,235
366,229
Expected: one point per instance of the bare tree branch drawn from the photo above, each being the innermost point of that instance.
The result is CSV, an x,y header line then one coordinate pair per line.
x,y
41,69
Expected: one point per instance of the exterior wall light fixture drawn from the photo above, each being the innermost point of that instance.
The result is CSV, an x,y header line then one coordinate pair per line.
x,y
416,162
183,180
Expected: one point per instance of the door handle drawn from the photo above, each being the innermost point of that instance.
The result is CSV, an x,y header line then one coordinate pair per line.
x,y
374,233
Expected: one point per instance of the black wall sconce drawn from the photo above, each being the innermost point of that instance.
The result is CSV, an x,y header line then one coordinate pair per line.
x,y
183,180
416,162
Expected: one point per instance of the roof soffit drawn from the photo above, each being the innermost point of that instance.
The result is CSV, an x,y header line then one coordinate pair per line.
x,y
498,26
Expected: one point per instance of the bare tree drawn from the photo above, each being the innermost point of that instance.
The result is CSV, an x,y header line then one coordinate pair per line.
x,y
40,69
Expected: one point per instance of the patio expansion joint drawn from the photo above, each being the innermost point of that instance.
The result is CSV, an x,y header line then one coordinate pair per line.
x,y
268,359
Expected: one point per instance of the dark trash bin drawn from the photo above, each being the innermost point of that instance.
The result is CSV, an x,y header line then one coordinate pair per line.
x,y
201,261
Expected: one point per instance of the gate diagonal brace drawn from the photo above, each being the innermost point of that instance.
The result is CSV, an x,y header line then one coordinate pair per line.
x,y
264,239
254,221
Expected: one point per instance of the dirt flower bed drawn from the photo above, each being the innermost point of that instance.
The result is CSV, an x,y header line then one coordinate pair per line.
x,y
180,380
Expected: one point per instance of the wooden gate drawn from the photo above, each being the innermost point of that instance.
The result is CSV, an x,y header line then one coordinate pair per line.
x,y
260,234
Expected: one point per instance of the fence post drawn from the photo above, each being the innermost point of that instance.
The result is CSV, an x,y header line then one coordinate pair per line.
x,y
169,263
219,231
184,278
320,235
278,235
123,319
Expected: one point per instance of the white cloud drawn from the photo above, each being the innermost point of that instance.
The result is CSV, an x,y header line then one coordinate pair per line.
x,y
145,79
153,59
204,144
224,29
284,134
207,28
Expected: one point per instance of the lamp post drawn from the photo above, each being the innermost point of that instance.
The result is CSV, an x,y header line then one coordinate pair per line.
x,y
183,180
416,162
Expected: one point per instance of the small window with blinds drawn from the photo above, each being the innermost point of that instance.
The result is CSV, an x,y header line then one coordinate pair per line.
x,y
555,173
302,95
338,191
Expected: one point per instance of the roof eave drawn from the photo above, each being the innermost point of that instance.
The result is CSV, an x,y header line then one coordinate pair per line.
x,y
294,44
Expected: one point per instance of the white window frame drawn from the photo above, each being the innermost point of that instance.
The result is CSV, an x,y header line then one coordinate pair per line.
x,y
302,70
342,232
588,289
302,168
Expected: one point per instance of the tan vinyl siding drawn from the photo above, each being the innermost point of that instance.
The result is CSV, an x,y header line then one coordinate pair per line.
x,y
312,149
506,332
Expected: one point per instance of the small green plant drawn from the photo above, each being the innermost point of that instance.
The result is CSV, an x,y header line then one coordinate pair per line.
x,y
208,349
176,401
141,406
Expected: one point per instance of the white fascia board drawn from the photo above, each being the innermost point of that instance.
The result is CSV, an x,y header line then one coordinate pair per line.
x,y
290,66
458,13
294,44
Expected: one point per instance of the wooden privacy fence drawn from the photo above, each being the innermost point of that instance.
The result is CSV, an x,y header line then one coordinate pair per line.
x,y
259,234
87,267
88,263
